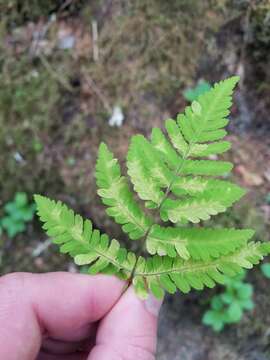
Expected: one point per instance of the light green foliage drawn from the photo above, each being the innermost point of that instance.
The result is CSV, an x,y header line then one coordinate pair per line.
x,y
115,193
172,180
197,243
228,307
266,270
192,94
76,237
17,213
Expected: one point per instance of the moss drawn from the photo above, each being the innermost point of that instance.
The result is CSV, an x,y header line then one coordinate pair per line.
x,y
28,117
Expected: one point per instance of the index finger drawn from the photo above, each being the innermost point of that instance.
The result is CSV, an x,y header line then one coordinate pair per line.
x,y
61,305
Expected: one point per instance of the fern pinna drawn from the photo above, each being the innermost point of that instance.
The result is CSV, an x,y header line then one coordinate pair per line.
x,y
168,174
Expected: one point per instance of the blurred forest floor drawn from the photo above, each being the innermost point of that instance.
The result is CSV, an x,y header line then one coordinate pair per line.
x,y
65,65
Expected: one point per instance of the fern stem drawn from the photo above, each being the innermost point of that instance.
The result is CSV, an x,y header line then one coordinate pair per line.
x,y
176,173
139,254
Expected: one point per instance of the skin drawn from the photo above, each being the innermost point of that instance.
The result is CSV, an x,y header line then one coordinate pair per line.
x,y
74,317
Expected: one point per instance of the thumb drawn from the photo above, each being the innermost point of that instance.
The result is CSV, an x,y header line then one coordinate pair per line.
x,y
129,331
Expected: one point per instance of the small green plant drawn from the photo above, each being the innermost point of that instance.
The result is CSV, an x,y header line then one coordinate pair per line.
x,y
173,182
192,94
229,306
266,270
267,198
17,213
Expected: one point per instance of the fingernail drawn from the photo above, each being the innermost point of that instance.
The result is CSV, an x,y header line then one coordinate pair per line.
x,y
153,305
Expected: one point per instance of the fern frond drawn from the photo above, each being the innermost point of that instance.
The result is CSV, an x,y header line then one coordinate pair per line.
x,y
171,176
77,238
176,137
161,274
202,150
202,206
202,121
165,149
147,171
148,155
196,243
192,210
187,185
206,167
115,193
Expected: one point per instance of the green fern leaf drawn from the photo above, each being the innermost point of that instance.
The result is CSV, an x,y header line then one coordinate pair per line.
x,y
166,274
148,155
198,185
115,193
196,243
176,137
168,174
200,207
206,167
77,238
212,106
192,210
165,149
148,180
146,188
202,150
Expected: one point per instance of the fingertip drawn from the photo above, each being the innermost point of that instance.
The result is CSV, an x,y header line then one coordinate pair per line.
x,y
131,326
153,305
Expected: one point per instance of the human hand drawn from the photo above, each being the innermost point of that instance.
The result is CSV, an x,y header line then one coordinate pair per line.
x,y
74,317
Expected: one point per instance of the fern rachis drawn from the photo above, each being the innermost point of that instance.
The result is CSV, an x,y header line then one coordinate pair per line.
x,y
172,177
